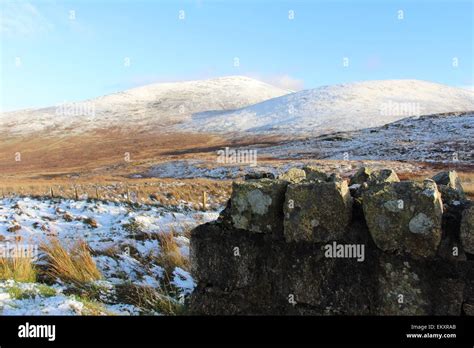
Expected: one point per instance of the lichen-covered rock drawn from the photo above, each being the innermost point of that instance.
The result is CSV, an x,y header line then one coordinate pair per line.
x,y
257,205
468,306
317,211
364,179
362,175
449,178
382,176
401,288
311,284
450,186
259,175
405,217
314,174
293,175
467,230
335,177
373,177
403,228
451,247
418,287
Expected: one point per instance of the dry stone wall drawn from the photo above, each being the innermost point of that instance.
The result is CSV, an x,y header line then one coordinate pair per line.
x,y
308,243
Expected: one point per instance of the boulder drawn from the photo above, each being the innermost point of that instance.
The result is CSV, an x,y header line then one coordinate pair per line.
x,y
449,178
467,230
450,186
362,175
294,175
364,179
257,205
373,177
314,174
259,175
405,217
317,211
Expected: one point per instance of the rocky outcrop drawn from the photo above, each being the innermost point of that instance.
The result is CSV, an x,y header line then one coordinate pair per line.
x,y
310,245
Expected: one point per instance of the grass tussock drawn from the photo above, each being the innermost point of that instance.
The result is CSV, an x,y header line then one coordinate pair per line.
x,y
150,300
20,269
72,266
170,256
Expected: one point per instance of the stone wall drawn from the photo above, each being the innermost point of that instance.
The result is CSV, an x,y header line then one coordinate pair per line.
x,y
314,244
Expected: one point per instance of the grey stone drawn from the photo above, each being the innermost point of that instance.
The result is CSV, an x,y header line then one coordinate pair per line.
x,y
317,211
293,175
405,217
257,205
314,174
450,186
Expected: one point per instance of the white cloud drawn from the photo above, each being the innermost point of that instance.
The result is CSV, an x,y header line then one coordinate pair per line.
x,y
21,18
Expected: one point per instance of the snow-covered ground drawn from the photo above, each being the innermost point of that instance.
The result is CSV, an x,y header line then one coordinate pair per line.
x,y
344,107
131,259
444,138
188,169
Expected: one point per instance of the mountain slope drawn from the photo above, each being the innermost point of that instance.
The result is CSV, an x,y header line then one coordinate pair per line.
x,y
446,137
147,107
338,108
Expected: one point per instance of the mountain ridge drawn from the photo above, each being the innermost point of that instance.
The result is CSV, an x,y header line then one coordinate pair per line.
x,y
342,107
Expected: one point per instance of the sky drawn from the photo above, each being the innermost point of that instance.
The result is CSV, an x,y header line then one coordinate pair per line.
x,y
62,51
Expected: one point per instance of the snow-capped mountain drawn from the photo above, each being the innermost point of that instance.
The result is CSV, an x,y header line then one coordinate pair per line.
x,y
241,105
148,107
335,108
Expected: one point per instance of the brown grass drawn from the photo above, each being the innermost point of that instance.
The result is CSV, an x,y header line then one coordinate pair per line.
x,y
20,269
170,256
149,299
74,266
148,191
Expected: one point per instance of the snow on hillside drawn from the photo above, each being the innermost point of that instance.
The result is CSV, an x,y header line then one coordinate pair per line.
x,y
444,138
342,107
147,107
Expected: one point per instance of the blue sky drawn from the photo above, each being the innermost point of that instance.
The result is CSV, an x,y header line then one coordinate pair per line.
x,y
50,55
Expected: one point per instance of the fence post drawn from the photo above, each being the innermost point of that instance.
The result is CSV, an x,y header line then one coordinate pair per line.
x,y
204,200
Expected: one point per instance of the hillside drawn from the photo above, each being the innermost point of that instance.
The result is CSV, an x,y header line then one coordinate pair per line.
x,y
145,108
335,108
